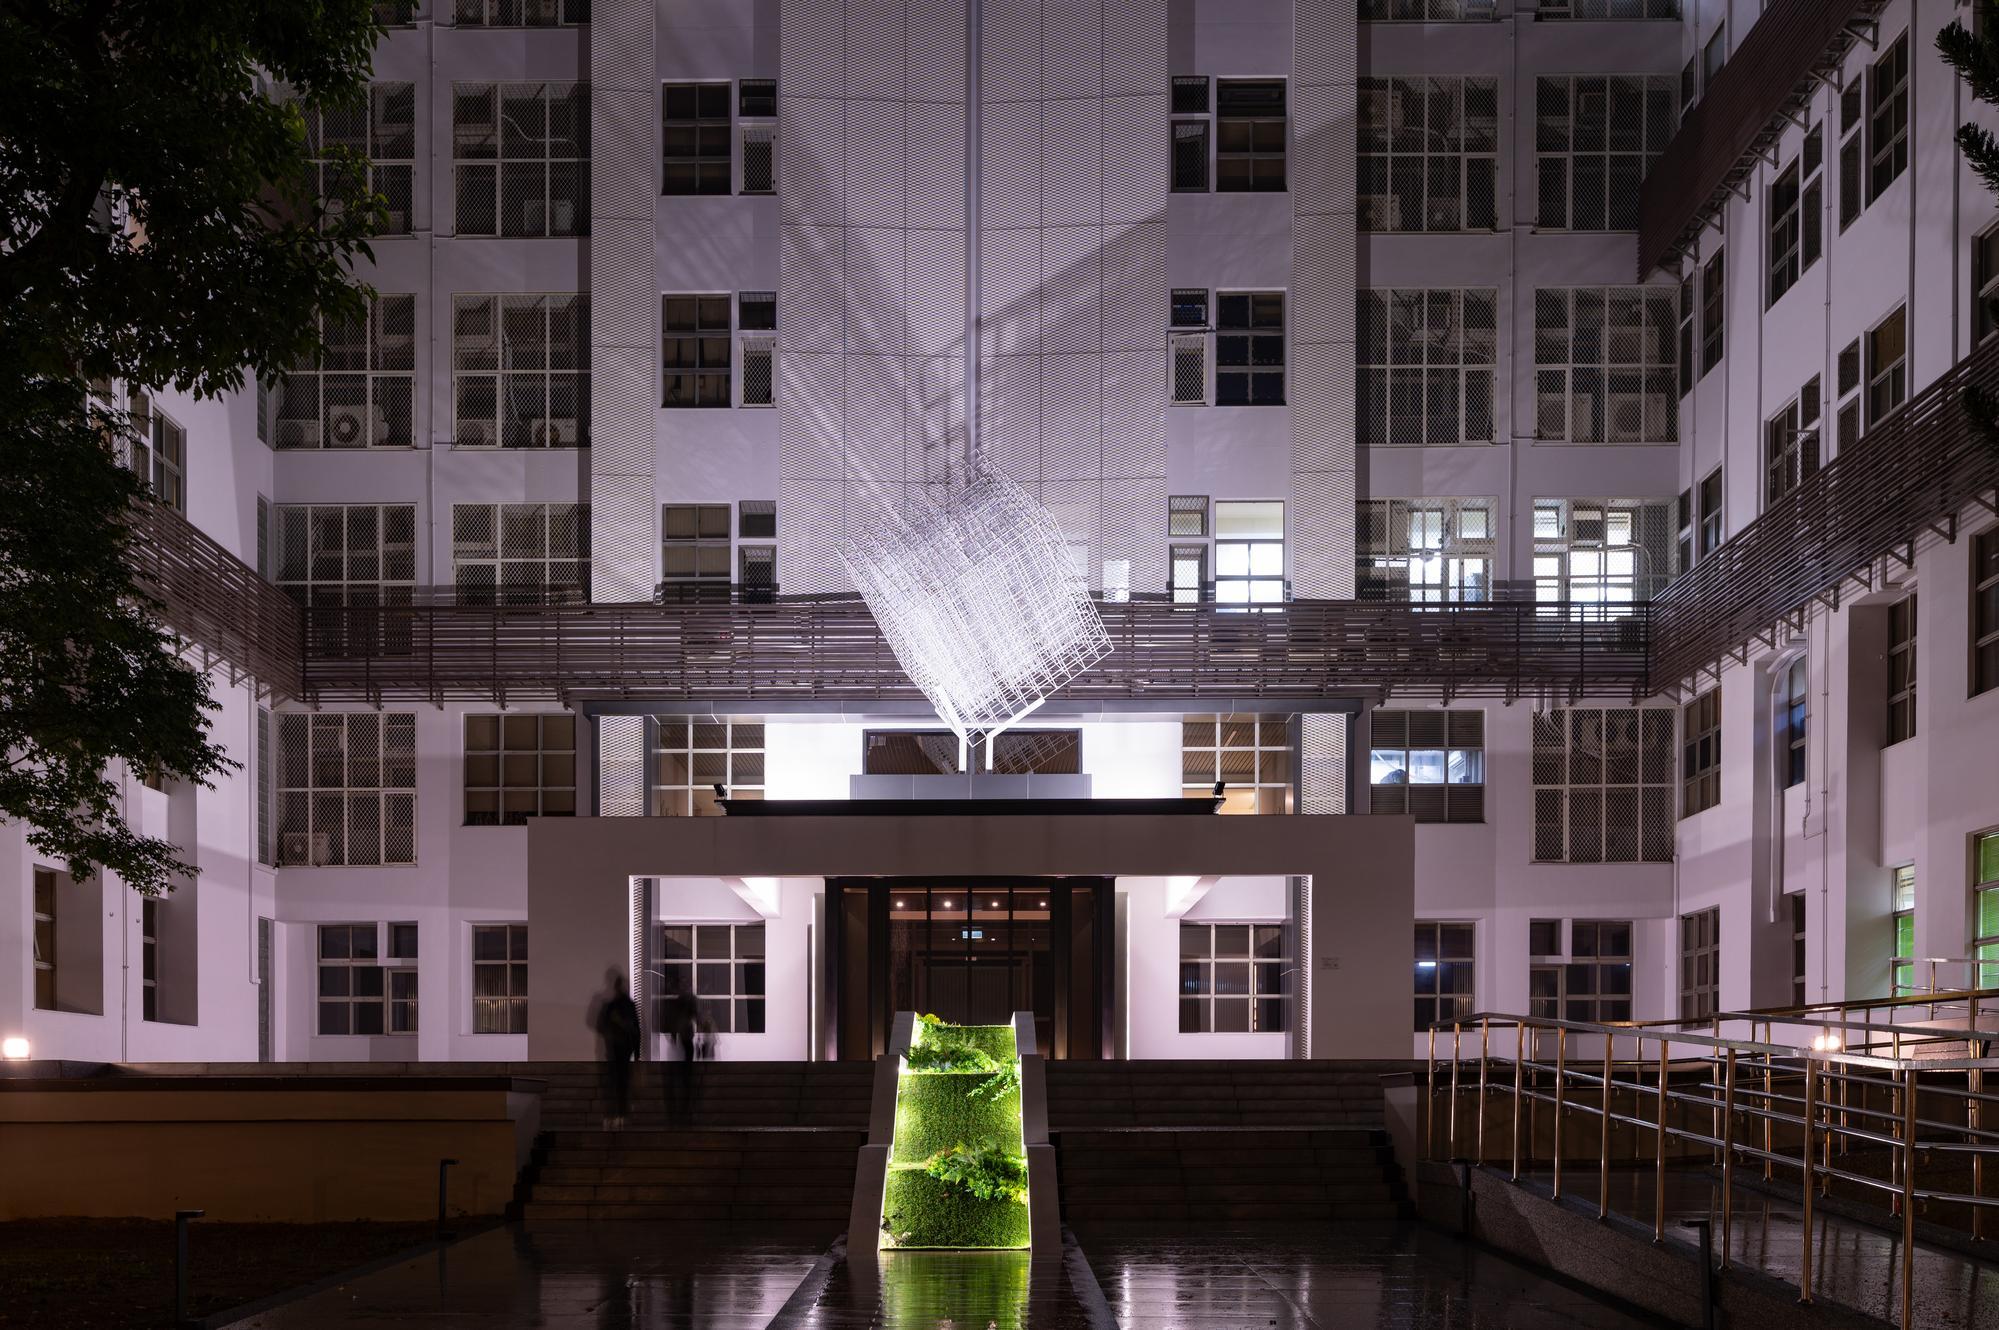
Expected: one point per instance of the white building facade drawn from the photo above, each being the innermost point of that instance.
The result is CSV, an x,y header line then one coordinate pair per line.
x,y
1270,302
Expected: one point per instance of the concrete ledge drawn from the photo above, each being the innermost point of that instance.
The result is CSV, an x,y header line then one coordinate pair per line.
x,y
1617,1257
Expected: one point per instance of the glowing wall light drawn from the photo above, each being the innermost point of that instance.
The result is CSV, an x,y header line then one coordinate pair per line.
x,y
979,600
14,1048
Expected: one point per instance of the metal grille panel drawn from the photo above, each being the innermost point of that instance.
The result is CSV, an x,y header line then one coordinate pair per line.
x,y
1322,762
621,770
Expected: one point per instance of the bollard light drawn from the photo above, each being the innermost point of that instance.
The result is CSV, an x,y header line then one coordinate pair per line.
x,y
15,1048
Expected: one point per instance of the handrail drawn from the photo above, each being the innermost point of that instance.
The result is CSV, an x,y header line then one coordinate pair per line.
x,y
1752,1101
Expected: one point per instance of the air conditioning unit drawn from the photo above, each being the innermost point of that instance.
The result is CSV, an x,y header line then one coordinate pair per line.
x,y
553,432
353,426
298,433
398,222
1555,407
1627,418
564,213
473,434
307,847
1380,212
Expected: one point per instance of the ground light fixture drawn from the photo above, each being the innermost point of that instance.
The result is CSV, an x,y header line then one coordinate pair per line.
x,y
15,1048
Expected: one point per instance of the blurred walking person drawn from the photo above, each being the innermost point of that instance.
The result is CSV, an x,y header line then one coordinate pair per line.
x,y
683,1034
617,1024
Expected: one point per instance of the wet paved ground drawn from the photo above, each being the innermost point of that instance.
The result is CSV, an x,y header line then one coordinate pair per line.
x,y
642,1276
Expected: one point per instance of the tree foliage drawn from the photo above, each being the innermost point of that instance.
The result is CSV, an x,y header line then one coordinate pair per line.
x,y
1975,57
160,224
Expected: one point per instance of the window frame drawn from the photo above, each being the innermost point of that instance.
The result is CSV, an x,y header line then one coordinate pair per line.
x,y
309,803
738,763
1700,963
564,177
1586,762
1902,628
1888,118
554,570
1245,338
706,541
743,1004
384,144
1902,911
1463,1001
1614,575
516,763
1426,551
1714,307
1984,929
1887,385
1263,1010
1256,155
44,942
1256,586
687,350
1196,130
1253,754
1700,753
1984,634
504,1011
1616,172
704,164
377,537
1791,443
1713,499
493,362
1423,346
379,368
1794,720
1631,330
1393,157
1456,739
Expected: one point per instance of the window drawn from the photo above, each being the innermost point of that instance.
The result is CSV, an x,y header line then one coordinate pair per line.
x,y
1888,118
722,965
267,847
395,13
45,939
694,335
756,316
1714,291
1800,949
1425,366
1794,709
1713,56
518,767
1249,349
1687,361
1445,970
756,519
757,572
1234,978
1811,242
1593,983
1603,785
519,13
1984,610
1902,669
1786,233
1690,83
375,136
1036,753
1595,137
1791,444
694,542
520,370
1852,115
1250,126
910,753
1683,523
1189,574
1430,551
1700,752
159,453
499,979
1985,906
149,959
1603,365
1887,366
1428,154
1902,964
694,138
520,553
1187,515
1249,552
1711,514
402,979
349,556
1441,11
1597,555
1188,345
1985,284
360,393
347,788
1700,964
1190,133
756,111
1849,393
353,983
520,158
1250,755
690,758
1428,764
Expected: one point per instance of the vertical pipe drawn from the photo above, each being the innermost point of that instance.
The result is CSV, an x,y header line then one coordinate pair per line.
x,y
1908,1153
1805,1190
1519,1081
1975,1081
1484,1059
1561,1071
1728,1159
1430,1097
1457,1033
974,91
1603,1152
1769,1107
1659,1164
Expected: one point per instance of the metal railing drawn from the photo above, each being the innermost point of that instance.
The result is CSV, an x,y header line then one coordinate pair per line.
x,y
1809,1095
214,600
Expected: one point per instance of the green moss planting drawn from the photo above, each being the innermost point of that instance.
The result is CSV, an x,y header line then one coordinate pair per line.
x,y
921,1211
936,1111
995,1041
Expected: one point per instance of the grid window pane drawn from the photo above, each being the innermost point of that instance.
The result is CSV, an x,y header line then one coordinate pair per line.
x,y
499,979
1595,138
1605,363
721,964
1222,990
687,761
517,767
1428,154
346,790
521,370
521,158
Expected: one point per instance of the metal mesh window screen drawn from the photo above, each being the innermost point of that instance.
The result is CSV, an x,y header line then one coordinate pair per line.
x,y
1901,628
1187,515
267,849
757,571
518,767
361,392
1604,364
1428,764
689,758
695,350
1234,978
347,788
519,13
759,157
1791,444
759,371
499,978
1250,754
1700,744
1424,365
1249,348
1446,960
395,13
1250,131
1603,785
1429,551
374,136
520,158
720,965
1189,368
1599,556
520,370
1700,964
520,553
1428,11
1595,137
333,557
694,540
694,142
1607,9
1428,154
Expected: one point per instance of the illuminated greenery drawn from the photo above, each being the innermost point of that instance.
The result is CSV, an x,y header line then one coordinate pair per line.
x,y
919,1210
989,1172
957,1176
974,1287
935,1112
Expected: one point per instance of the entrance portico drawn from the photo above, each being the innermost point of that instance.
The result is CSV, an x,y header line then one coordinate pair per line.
x,y
1342,885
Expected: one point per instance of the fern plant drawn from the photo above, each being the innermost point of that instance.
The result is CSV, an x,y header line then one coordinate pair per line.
x,y
986,1171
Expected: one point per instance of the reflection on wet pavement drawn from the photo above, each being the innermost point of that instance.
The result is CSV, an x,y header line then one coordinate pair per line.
x,y
660,1276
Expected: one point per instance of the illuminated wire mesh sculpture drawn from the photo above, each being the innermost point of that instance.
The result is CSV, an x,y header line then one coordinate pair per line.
x,y
979,600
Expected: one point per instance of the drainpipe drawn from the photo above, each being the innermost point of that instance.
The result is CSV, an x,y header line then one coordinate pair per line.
x,y
973,92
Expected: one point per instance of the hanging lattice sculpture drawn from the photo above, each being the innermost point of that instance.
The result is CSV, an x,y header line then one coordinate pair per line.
x,y
979,600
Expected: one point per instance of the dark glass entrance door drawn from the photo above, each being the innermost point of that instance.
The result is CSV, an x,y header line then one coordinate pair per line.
x,y
972,951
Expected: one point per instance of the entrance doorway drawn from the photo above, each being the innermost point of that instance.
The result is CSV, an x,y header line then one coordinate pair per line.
x,y
973,951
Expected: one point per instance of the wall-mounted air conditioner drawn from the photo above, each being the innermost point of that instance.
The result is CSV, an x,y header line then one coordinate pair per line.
x,y
553,432
298,433
353,426
473,434
307,847
1380,212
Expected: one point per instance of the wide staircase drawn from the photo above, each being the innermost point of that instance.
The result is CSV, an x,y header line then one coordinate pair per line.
x,y
1201,1144
770,1143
